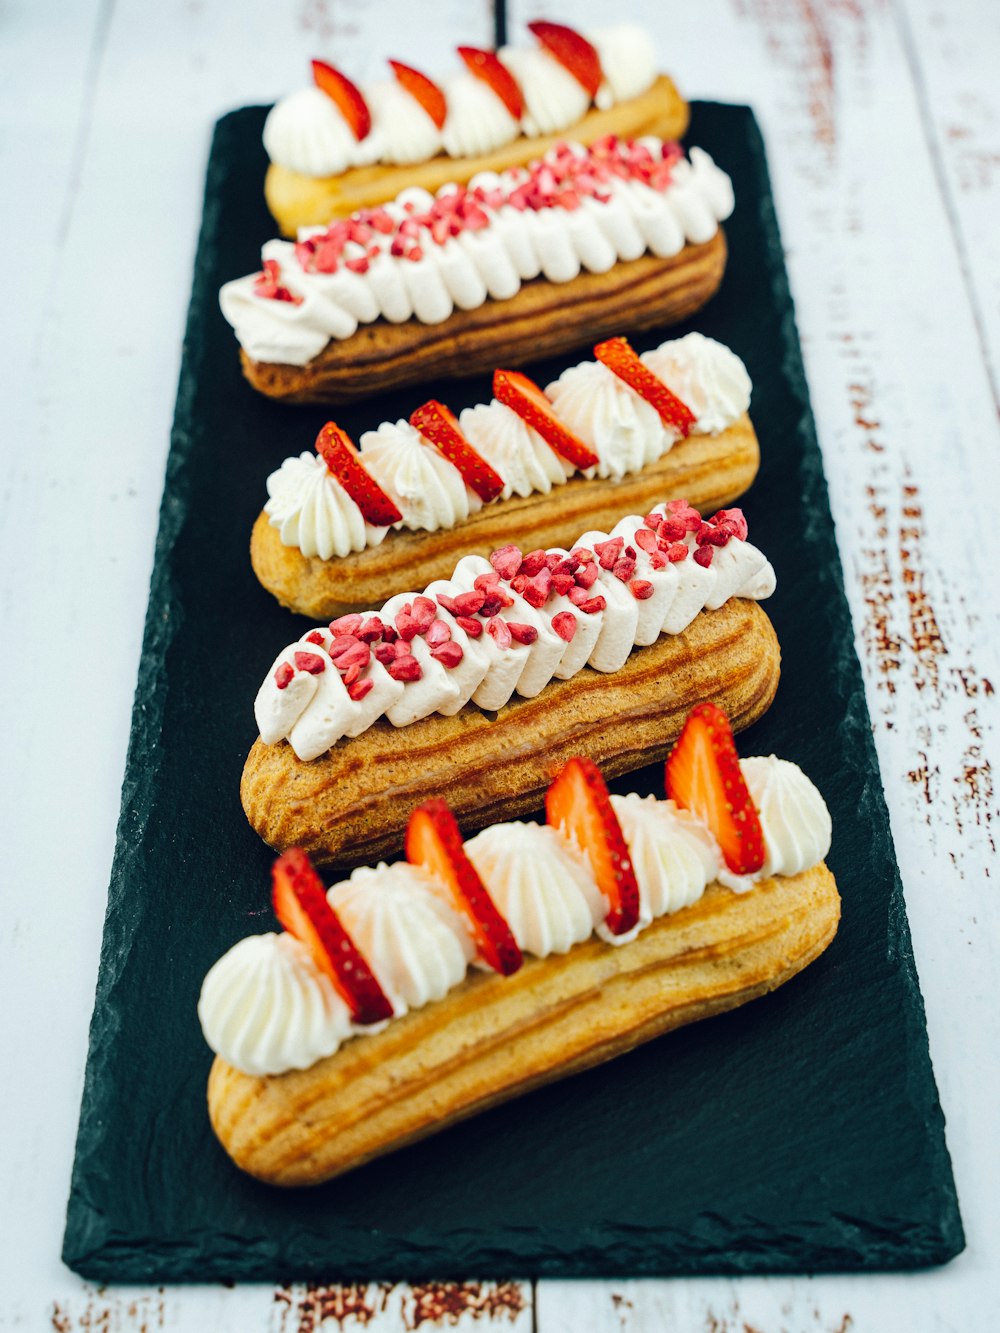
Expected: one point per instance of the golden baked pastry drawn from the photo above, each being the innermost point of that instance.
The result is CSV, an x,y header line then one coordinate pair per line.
x,y
297,200
495,1037
351,803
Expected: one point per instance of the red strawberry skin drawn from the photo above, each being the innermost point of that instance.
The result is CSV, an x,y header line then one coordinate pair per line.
x,y
618,356
434,842
426,92
438,424
572,51
301,905
523,396
346,95
703,776
339,453
578,804
485,65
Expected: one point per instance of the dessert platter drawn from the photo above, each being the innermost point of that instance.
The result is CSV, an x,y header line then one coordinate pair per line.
x,y
519,607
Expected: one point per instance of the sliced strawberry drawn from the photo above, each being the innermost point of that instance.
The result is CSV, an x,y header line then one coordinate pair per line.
x,y
438,424
618,356
339,452
579,806
573,52
703,776
485,65
433,841
427,93
346,95
524,397
301,905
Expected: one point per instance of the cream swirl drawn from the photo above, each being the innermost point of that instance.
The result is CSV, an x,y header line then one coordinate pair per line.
x,y
401,128
312,511
628,62
709,379
673,854
478,122
266,1007
522,458
543,889
793,815
624,430
553,98
471,246
428,490
307,133
415,944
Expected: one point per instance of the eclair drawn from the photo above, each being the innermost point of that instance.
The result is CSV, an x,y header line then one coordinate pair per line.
x,y
522,264
335,146
501,672
344,529
412,995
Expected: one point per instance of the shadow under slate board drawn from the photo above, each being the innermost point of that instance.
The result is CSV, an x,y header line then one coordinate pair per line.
x,y
800,1133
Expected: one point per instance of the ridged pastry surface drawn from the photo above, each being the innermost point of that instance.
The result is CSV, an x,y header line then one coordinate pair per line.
x,y
299,201
709,471
353,802
495,1037
543,319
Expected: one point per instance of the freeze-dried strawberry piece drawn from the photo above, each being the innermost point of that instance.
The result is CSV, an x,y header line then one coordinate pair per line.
x,y
485,65
641,589
385,653
703,775
498,629
284,675
468,603
533,562
448,654
579,806
315,637
268,284
311,662
371,631
488,581
351,675
624,568
593,605
359,655
439,632
564,625
645,540
522,633
349,624
345,95
536,590
405,668
608,552
473,628
406,626
561,584
434,842
424,90
734,520
587,575
618,356
703,556
301,905
340,454
684,513
438,424
524,397
506,561
424,613
676,552
359,688
573,52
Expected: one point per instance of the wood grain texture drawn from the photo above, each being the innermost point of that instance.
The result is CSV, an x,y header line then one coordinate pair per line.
x,y
542,319
352,804
495,1037
709,471
299,201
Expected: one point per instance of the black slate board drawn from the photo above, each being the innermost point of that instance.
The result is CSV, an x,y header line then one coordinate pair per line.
x,y
801,1133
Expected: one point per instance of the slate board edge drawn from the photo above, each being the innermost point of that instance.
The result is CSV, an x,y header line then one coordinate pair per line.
x,y
92,1245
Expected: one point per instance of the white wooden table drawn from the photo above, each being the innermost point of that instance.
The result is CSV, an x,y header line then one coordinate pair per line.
x,y
883,126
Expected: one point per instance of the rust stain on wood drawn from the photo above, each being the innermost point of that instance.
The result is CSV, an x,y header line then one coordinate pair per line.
x,y
309,1308
447,1302
104,1313
312,1305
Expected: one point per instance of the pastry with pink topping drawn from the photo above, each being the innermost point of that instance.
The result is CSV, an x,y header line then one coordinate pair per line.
x,y
339,145
413,994
477,686
346,527
518,264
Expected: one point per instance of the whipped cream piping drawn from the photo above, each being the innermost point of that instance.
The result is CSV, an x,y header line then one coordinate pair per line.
x,y
509,625
421,256
307,133
265,1007
312,510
